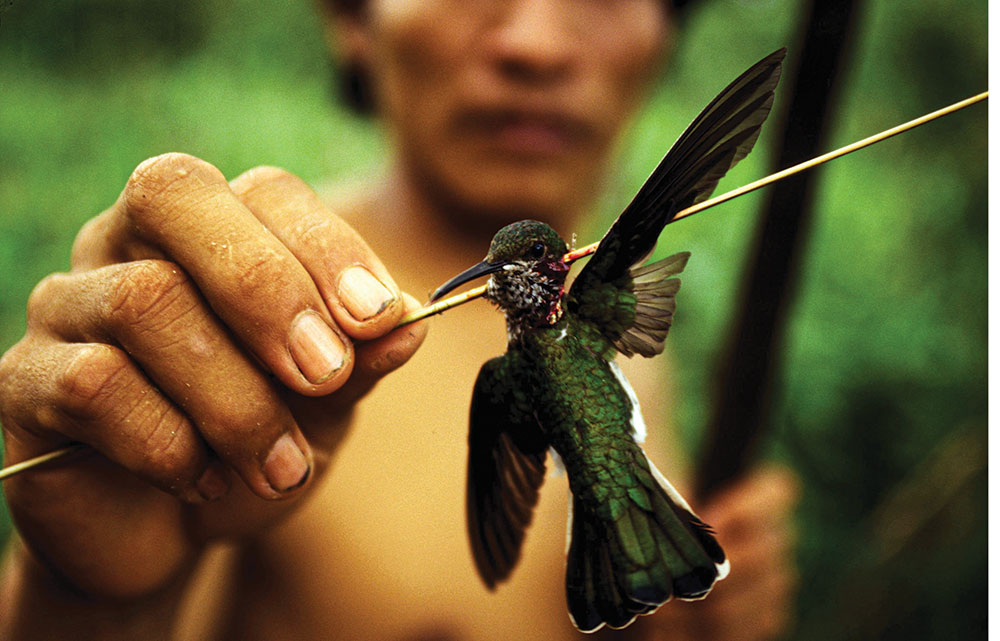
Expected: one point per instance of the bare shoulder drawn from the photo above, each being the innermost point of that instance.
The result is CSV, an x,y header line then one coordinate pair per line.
x,y
352,200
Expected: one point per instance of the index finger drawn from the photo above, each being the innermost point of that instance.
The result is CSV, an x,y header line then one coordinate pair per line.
x,y
184,207
357,288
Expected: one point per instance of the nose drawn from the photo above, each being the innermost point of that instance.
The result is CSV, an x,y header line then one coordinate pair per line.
x,y
535,40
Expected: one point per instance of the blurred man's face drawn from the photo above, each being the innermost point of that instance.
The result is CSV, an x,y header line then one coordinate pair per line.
x,y
511,107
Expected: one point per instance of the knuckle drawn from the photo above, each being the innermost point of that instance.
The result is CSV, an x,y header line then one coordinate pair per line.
x,y
164,179
318,232
87,238
241,430
263,175
264,273
22,402
10,367
257,416
40,299
150,293
167,453
92,381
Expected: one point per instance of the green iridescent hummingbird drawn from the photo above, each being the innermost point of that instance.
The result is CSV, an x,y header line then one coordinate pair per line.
x,y
634,541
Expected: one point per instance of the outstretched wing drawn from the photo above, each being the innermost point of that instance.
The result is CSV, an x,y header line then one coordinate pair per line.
x,y
506,467
722,135
634,312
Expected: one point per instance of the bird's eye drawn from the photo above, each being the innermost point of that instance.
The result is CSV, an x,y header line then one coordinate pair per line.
x,y
537,250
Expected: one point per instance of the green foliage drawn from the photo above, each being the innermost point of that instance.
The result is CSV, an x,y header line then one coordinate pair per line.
x,y
885,359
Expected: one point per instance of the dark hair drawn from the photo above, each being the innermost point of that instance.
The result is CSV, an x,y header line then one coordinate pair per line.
x,y
352,83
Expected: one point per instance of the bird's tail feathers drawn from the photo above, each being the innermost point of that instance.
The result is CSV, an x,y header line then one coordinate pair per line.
x,y
652,548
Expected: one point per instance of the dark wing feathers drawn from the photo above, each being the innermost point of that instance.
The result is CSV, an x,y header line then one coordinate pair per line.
x,y
654,293
506,467
722,135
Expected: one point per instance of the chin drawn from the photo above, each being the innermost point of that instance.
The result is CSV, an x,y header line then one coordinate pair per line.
x,y
536,193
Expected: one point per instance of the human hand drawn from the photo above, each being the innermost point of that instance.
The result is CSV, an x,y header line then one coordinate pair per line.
x,y
203,344
753,521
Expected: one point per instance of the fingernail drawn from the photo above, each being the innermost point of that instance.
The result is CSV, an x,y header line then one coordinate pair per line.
x,y
286,467
316,349
363,295
214,482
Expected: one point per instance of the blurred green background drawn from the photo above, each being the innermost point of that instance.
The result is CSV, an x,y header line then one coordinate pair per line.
x,y
882,403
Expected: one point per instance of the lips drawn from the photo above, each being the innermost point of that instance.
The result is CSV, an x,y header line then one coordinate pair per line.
x,y
526,132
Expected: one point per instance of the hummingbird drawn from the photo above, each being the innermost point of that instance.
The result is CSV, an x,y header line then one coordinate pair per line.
x,y
634,542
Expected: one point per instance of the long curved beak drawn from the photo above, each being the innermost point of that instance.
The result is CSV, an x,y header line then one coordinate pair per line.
x,y
471,273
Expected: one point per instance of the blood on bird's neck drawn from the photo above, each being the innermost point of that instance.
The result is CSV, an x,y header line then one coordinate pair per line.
x,y
529,295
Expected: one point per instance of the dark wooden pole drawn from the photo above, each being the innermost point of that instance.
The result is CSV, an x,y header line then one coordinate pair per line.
x,y
752,360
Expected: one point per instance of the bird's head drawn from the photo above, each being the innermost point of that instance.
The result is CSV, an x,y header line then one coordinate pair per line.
x,y
527,271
